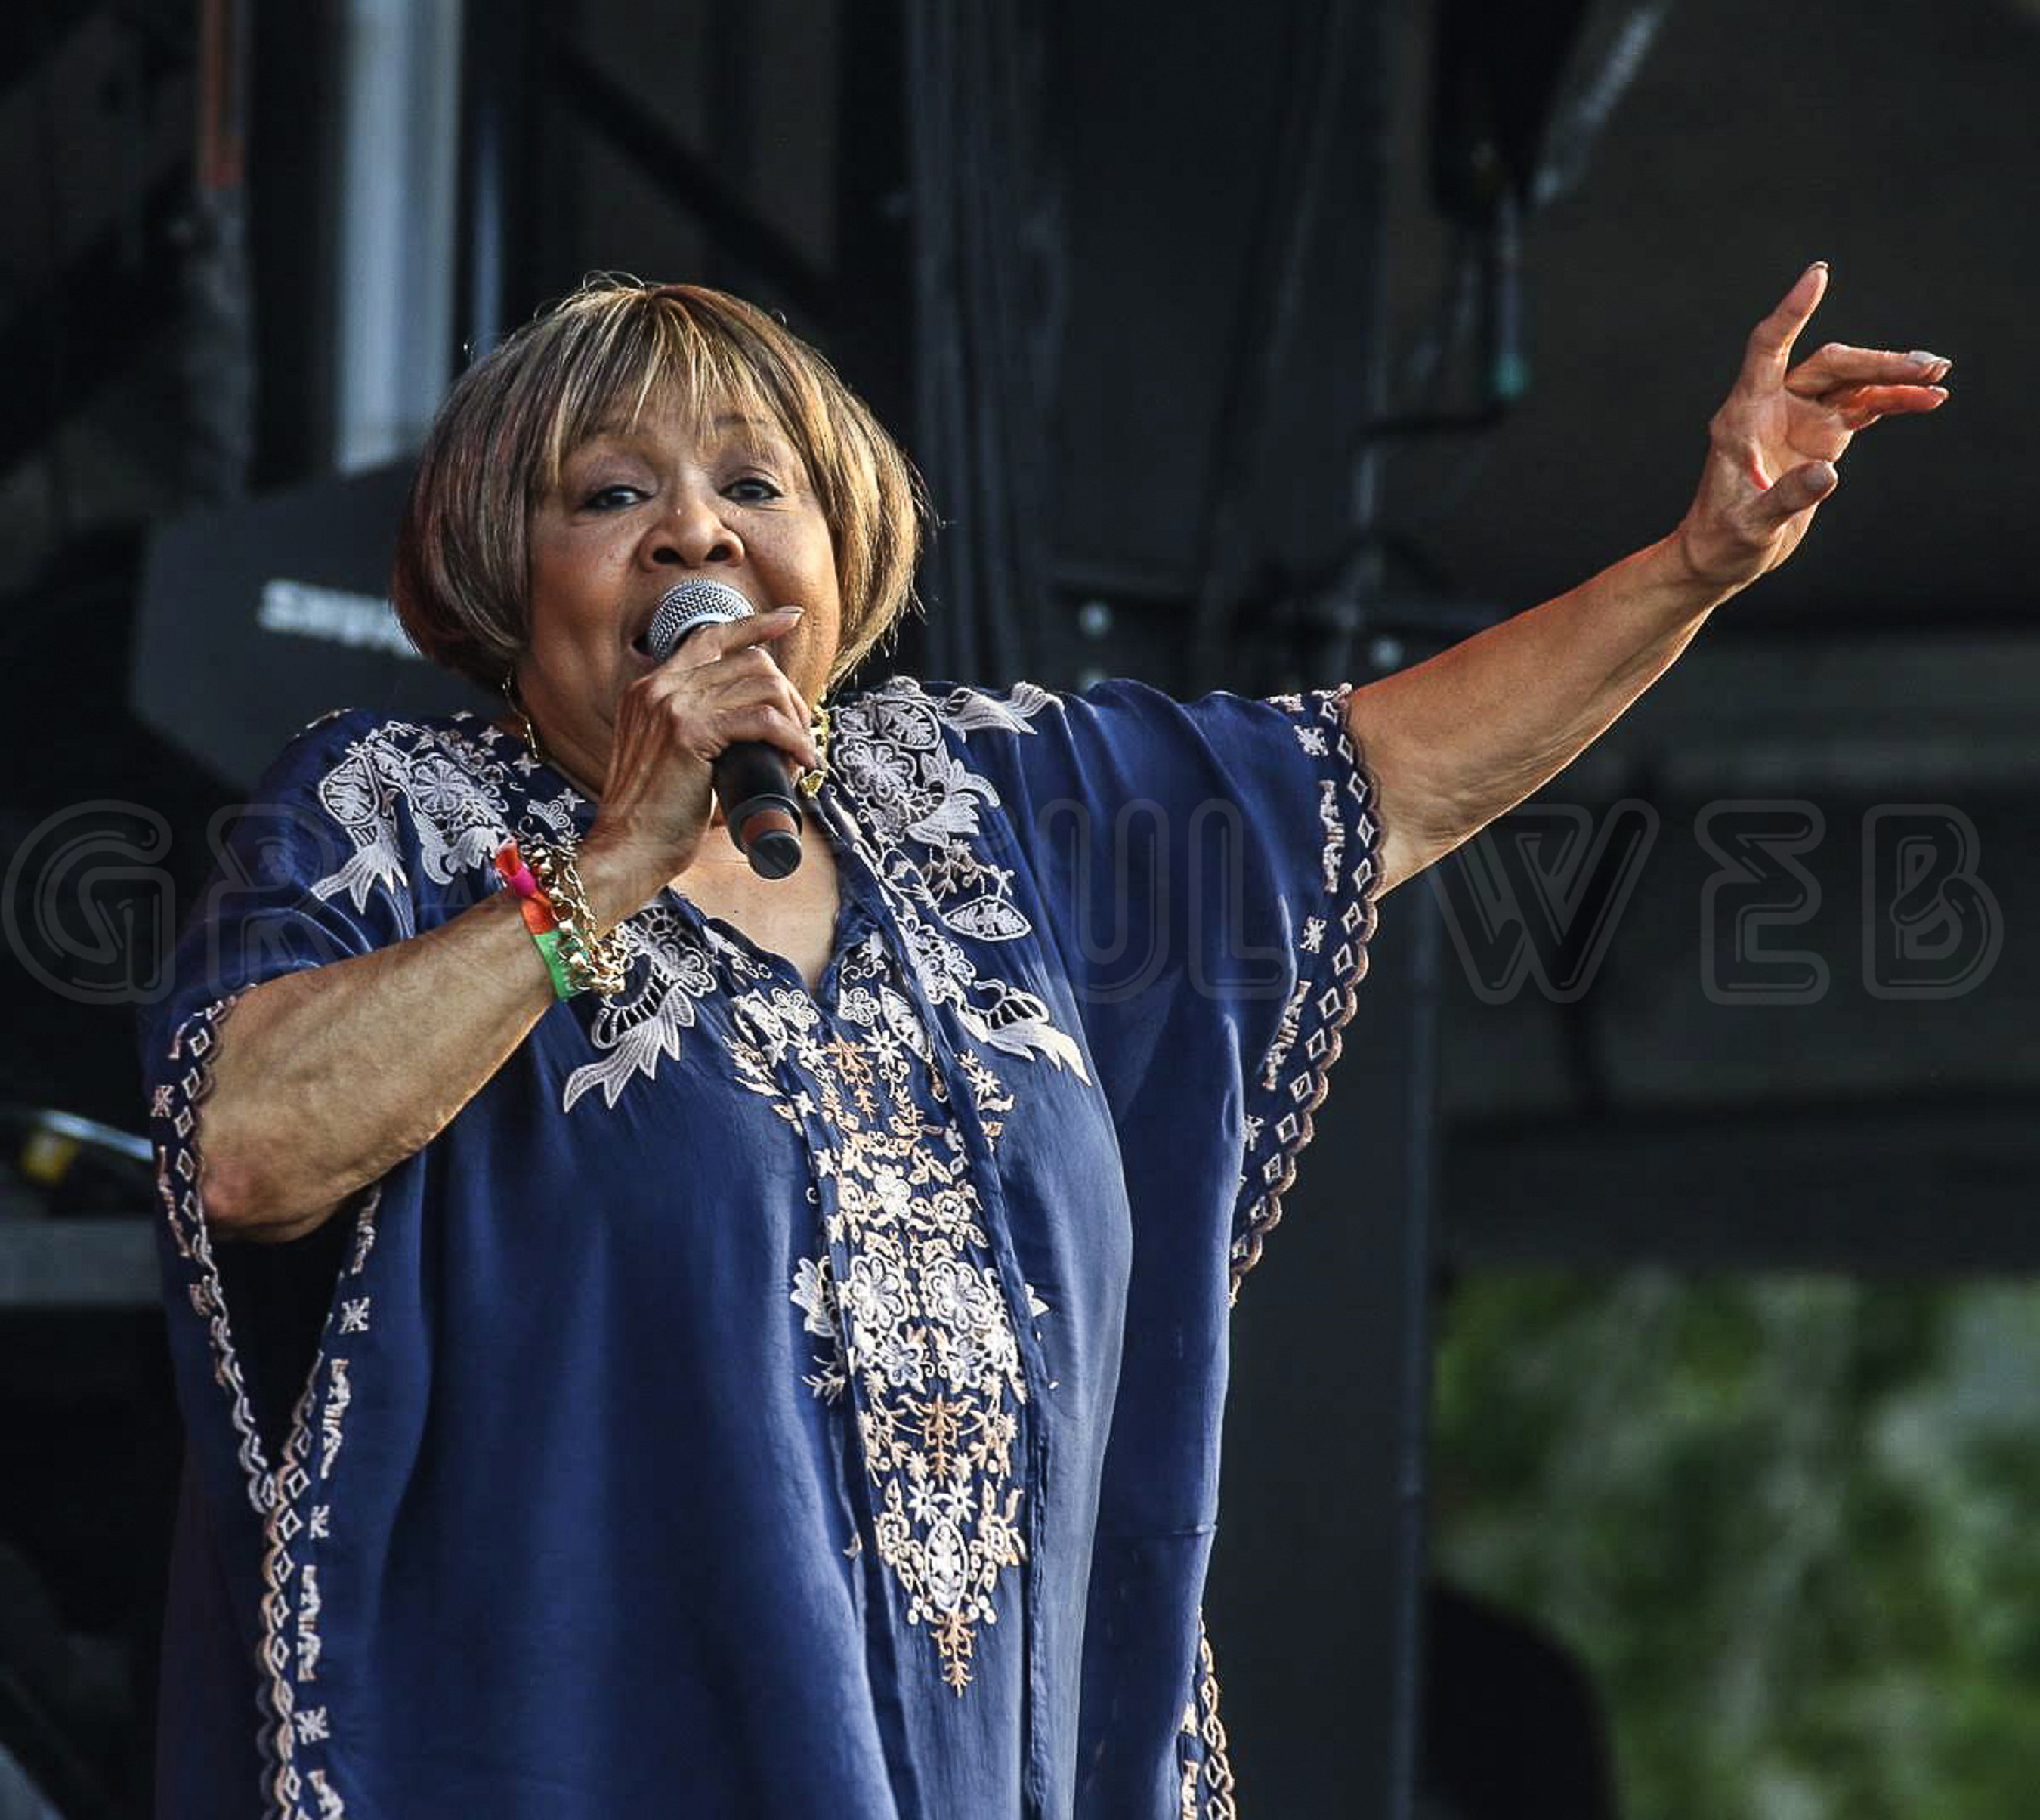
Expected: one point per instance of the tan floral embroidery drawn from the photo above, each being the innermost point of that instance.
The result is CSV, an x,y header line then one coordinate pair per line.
x,y
922,1335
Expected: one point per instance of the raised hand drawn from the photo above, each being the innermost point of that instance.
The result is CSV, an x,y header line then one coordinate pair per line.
x,y
1773,445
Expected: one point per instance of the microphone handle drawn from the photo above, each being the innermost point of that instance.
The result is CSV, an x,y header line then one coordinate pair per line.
x,y
755,788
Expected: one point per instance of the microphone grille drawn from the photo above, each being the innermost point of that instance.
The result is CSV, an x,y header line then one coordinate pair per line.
x,y
690,605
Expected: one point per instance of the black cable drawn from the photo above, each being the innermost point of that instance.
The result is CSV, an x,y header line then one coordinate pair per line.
x,y
1005,185
980,214
1295,179
1007,173
53,358
939,376
979,395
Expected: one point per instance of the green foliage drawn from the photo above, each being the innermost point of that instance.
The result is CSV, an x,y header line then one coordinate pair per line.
x,y
1788,1522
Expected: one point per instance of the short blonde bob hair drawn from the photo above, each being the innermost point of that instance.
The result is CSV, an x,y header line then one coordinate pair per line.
x,y
462,581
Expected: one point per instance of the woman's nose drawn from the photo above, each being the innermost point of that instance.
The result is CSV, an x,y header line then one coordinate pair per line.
x,y
695,534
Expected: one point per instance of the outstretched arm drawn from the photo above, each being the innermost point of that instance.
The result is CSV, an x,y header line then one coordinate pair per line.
x,y
1459,740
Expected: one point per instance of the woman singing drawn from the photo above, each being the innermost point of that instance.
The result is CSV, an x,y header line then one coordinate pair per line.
x,y
767,1338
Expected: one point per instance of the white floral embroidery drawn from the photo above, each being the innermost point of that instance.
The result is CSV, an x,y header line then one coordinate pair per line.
x,y
815,1296
669,973
1285,1036
455,793
1333,855
332,1416
921,806
365,1228
309,1645
917,824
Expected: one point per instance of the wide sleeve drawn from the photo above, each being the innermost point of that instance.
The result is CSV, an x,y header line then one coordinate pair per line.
x,y
315,868
1208,871
310,869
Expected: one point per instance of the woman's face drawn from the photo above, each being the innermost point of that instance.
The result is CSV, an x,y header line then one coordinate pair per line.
x,y
640,509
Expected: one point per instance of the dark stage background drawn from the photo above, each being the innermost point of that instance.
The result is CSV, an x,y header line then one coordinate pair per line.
x,y
1240,350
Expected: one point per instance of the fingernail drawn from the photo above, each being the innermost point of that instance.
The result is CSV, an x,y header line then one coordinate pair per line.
x,y
1818,265
1919,357
788,612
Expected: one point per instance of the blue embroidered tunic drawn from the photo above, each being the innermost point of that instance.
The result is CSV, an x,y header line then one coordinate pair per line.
x,y
757,1400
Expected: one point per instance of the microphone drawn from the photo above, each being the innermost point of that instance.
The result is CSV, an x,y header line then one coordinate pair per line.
x,y
751,781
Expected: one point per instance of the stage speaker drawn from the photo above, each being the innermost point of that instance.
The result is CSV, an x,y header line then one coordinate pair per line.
x,y
259,616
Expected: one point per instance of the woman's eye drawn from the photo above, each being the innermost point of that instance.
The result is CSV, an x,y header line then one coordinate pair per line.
x,y
616,498
753,490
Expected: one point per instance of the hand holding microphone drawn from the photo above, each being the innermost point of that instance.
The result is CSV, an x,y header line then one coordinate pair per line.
x,y
752,781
